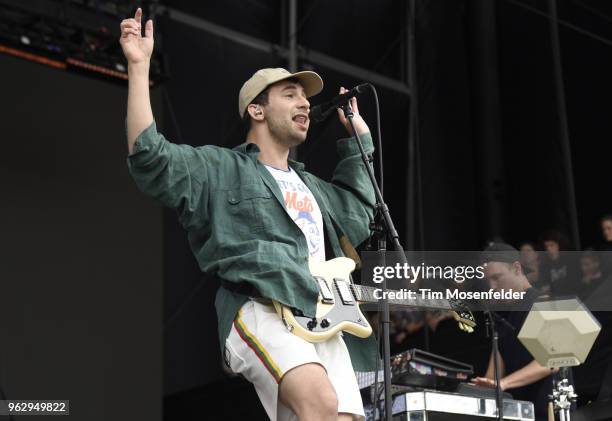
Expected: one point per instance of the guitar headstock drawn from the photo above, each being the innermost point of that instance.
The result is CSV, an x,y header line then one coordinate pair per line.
x,y
463,315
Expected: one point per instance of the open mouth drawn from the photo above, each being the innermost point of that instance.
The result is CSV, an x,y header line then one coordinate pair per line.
x,y
301,119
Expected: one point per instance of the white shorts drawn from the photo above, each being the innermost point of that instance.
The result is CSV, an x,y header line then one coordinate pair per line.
x,y
260,348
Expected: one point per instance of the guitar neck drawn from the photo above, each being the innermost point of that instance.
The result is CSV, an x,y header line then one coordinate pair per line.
x,y
365,294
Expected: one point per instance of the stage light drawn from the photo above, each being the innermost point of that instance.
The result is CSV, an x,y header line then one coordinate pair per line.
x,y
70,44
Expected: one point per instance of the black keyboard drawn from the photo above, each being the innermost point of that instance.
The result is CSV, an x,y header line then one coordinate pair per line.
x,y
468,389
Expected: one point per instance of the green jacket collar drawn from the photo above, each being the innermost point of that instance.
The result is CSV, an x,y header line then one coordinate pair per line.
x,y
253,150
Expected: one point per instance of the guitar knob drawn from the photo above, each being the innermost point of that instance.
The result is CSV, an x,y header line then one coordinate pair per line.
x,y
312,324
325,323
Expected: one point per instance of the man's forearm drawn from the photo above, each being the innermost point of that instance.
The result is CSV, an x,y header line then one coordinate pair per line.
x,y
529,374
490,374
139,112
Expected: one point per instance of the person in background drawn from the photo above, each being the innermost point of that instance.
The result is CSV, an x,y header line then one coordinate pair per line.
x,y
592,276
559,270
593,378
605,247
519,373
606,231
530,262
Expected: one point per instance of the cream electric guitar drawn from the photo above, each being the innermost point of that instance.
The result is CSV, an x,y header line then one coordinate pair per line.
x,y
338,305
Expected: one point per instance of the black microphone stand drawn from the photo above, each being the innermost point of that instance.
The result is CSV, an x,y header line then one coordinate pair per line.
x,y
380,232
495,349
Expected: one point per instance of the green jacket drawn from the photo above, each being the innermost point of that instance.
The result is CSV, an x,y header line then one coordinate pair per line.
x,y
237,225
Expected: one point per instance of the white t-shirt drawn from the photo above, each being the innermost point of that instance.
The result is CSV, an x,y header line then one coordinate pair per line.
x,y
302,207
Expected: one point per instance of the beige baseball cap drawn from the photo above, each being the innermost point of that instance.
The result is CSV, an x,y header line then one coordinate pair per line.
x,y
261,79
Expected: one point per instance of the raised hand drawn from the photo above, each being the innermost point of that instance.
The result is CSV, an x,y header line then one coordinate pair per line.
x,y
360,124
136,48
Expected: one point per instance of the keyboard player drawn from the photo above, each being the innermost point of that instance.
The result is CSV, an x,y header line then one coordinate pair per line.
x,y
520,374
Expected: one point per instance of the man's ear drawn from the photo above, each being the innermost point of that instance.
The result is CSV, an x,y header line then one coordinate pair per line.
x,y
256,112
517,268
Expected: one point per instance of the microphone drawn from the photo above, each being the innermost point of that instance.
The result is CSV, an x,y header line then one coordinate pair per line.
x,y
321,112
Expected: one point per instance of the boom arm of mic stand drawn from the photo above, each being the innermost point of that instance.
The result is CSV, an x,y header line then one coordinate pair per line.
x,y
388,230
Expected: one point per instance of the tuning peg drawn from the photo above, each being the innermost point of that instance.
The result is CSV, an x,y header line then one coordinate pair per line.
x,y
465,327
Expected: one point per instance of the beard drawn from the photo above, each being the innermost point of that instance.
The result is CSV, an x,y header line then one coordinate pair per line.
x,y
284,132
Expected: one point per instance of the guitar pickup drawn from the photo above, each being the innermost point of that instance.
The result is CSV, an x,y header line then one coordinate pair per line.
x,y
344,291
327,296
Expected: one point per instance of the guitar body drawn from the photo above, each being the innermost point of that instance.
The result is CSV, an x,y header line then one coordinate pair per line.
x,y
337,307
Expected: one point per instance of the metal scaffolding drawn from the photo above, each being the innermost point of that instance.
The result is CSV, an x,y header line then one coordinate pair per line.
x,y
292,52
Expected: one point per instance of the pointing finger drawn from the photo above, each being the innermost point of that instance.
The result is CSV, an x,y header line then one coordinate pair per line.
x,y
138,15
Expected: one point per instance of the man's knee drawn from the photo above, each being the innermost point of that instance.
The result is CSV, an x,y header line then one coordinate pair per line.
x,y
308,392
322,405
318,406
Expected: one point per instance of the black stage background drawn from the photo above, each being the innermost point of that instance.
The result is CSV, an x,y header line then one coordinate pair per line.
x,y
85,252
81,265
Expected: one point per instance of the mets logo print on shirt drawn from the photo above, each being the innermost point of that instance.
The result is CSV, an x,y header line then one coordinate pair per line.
x,y
302,208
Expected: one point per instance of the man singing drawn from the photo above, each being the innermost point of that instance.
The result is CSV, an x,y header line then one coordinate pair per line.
x,y
255,218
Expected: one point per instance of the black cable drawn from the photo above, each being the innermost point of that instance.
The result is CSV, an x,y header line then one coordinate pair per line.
x,y
379,140
376,381
380,176
381,185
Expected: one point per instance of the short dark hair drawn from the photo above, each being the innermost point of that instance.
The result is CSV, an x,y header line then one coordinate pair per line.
x,y
262,99
590,254
607,217
533,245
503,253
500,252
556,236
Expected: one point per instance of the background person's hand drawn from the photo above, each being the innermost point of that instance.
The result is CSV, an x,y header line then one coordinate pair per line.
x,y
136,48
486,382
360,124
